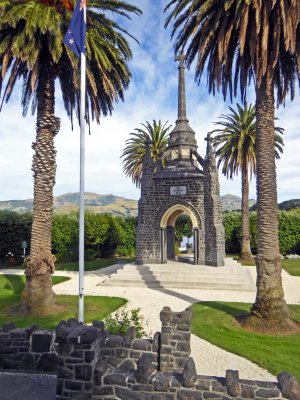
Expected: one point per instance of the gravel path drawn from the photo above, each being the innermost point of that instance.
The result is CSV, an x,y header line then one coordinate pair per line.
x,y
209,359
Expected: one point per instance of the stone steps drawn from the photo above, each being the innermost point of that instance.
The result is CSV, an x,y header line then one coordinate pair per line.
x,y
182,275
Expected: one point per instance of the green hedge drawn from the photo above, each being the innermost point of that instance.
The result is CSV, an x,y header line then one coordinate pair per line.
x,y
289,231
14,229
107,235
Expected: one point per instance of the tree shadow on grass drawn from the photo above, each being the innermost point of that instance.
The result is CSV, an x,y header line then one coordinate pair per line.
x,y
236,310
15,283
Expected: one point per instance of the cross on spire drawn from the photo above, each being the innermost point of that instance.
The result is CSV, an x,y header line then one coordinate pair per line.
x,y
181,59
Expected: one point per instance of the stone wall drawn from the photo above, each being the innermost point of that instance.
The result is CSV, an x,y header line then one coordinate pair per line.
x,y
91,364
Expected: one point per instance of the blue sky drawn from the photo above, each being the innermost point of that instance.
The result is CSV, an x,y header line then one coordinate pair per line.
x,y
152,95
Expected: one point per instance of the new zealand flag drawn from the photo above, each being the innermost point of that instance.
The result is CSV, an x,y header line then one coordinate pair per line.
x,y
76,34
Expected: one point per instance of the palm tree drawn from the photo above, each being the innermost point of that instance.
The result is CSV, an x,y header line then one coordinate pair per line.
x,y
135,149
235,145
237,41
32,49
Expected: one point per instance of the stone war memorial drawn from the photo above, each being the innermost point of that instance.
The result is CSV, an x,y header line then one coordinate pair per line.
x,y
188,184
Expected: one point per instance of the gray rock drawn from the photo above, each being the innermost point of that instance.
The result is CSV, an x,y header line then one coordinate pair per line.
x,y
232,383
126,394
189,374
99,325
115,379
144,368
130,335
289,385
47,362
83,372
161,383
88,334
8,327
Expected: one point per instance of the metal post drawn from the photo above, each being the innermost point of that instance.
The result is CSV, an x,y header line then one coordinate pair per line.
x,y
82,165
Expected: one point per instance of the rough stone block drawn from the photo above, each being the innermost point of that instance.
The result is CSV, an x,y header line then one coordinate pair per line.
x,y
99,325
28,362
289,385
130,335
144,368
8,327
126,394
64,373
267,393
83,372
47,362
185,394
161,382
89,356
232,383
88,334
189,374
115,379
127,365
247,392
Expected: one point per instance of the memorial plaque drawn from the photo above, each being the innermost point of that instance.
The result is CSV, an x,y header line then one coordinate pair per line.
x,y
27,386
178,190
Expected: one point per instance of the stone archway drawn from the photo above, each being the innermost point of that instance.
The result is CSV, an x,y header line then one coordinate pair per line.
x,y
167,231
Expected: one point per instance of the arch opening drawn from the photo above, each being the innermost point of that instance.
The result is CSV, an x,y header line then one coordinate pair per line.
x,y
170,233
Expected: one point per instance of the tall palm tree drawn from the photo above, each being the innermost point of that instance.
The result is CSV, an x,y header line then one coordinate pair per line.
x,y
237,41
32,49
135,148
235,144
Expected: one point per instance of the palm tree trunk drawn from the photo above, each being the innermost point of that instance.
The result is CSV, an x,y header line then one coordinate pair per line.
x,y
270,308
245,254
38,296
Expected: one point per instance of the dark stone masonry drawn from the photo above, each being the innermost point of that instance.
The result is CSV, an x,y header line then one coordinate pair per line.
x,y
87,363
187,184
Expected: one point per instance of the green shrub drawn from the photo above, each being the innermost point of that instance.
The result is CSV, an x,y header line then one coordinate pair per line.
x,y
289,231
14,229
65,233
119,323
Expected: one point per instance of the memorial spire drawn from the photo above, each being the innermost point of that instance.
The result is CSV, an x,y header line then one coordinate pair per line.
x,y
181,88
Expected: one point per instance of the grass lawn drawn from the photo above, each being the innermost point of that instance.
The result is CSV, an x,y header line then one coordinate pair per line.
x,y
11,287
290,265
215,322
92,265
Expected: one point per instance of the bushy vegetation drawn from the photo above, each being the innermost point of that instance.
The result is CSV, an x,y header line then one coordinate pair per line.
x,y
14,229
289,231
121,320
107,235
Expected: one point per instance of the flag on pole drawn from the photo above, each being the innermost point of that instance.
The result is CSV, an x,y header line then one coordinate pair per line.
x,y
76,33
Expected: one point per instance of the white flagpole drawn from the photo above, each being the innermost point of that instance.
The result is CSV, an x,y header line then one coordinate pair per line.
x,y
82,165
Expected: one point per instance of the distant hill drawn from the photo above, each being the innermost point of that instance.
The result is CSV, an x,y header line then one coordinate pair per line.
x,y
293,204
231,202
108,203
104,203
68,202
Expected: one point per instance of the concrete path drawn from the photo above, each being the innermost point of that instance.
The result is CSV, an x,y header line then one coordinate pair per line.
x,y
209,359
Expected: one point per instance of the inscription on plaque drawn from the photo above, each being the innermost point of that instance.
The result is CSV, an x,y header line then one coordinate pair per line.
x,y
178,190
